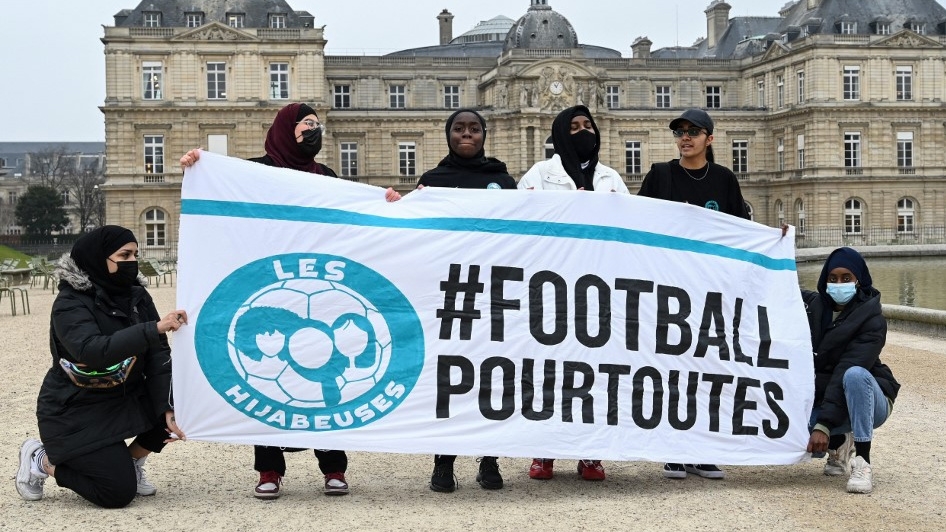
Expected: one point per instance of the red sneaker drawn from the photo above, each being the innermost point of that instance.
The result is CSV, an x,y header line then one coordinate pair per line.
x,y
335,484
268,486
541,468
591,469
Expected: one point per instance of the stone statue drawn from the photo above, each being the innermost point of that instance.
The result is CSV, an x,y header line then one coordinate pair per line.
x,y
524,96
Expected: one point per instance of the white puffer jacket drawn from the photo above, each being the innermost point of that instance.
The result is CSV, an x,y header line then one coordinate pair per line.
x,y
551,175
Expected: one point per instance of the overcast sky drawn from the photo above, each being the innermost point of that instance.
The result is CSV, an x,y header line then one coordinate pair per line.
x,y
52,67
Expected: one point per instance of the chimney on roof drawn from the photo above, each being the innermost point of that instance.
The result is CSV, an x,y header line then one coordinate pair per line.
x,y
641,48
717,18
446,27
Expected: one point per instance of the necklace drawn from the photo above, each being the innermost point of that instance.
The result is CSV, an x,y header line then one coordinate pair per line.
x,y
705,172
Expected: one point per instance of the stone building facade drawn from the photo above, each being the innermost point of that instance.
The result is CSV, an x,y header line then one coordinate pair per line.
x,y
832,121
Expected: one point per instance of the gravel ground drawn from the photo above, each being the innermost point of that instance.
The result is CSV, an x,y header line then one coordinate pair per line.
x,y
208,486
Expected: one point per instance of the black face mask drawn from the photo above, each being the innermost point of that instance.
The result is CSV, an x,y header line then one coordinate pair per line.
x,y
311,143
127,274
585,142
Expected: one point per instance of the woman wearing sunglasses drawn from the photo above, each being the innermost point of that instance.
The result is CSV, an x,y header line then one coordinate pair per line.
x,y
110,378
695,178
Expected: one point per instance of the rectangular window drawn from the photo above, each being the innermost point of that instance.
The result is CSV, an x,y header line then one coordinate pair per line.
x,y
216,81
760,89
905,215
848,28
613,96
151,20
801,151
740,156
451,96
714,98
918,28
397,97
883,28
407,158
342,96
194,20
852,149
779,92
349,158
64,196
155,227
904,83
632,157
151,83
663,97
780,154
277,21
905,149
11,197
279,81
800,78
235,20
851,83
154,154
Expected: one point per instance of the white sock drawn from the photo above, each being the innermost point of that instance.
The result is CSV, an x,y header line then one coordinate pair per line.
x,y
36,464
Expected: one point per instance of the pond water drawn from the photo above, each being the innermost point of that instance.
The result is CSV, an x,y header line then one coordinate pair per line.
x,y
912,281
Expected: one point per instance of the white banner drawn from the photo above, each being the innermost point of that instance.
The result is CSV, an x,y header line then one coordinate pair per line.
x,y
484,322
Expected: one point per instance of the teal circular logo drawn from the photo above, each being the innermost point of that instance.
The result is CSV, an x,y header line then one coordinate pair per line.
x,y
712,205
307,341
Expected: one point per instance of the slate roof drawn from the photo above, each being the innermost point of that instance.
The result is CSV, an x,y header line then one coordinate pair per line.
x,y
174,12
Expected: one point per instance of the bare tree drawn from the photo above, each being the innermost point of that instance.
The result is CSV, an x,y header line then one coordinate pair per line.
x,y
76,178
49,167
87,199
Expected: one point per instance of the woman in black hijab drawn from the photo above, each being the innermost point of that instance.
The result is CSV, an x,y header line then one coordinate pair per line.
x,y
466,166
574,166
110,379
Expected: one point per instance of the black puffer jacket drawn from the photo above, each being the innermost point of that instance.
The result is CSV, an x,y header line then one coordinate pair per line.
x,y
88,328
855,338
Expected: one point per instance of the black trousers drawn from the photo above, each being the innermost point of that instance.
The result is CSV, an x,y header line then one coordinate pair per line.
x,y
271,459
106,477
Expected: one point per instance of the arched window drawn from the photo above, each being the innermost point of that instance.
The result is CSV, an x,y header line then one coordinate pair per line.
x,y
853,216
155,222
749,210
906,213
800,217
779,213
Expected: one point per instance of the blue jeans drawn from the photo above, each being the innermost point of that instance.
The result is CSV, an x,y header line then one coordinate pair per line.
x,y
866,406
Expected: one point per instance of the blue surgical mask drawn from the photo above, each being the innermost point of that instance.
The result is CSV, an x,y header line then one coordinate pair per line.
x,y
841,293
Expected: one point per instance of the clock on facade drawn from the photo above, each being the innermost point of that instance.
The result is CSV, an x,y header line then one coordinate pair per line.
x,y
556,87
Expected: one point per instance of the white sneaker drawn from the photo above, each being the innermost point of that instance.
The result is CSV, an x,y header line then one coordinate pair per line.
x,y
145,487
861,480
29,484
838,462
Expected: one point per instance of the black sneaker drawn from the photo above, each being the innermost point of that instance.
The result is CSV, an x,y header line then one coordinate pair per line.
x,y
442,479
705,470
489,477
674,471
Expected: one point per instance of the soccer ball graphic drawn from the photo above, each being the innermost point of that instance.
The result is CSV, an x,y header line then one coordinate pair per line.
x,y
309,343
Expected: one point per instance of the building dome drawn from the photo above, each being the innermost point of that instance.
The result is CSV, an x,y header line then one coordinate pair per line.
x,y
541,27
494,29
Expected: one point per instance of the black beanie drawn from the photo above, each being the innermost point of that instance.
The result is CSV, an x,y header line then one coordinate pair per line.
x,y
304,111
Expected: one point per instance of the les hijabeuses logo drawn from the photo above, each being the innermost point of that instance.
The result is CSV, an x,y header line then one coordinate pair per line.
x,y
308,341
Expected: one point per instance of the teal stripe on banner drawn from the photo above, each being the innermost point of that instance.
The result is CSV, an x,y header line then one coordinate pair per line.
x,y
293,213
